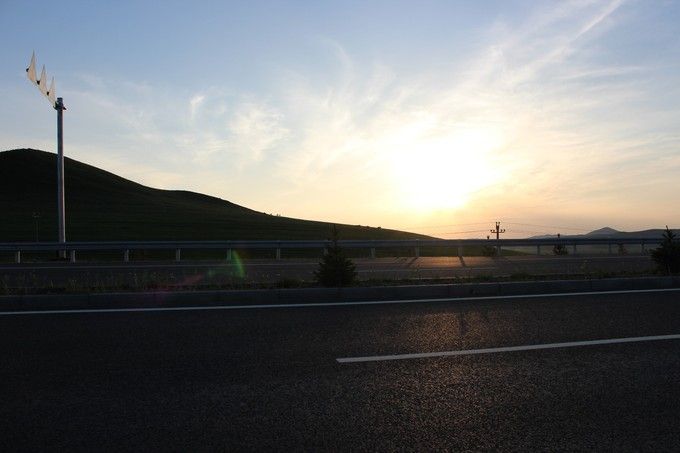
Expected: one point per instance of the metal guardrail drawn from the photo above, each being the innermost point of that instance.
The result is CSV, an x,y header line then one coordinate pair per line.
x,y
126,246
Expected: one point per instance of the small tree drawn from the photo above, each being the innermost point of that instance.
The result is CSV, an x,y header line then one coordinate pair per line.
x,y
335,269
667,257
560,249
489,250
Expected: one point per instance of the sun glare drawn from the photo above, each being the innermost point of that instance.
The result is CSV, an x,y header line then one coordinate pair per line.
x,y
443,172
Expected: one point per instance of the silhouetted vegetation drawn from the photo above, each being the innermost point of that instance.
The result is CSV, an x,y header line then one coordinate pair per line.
x,y
489,250
335,269
560,249
667,256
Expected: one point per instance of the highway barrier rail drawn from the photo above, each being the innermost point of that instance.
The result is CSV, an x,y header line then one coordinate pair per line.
x,y
565,245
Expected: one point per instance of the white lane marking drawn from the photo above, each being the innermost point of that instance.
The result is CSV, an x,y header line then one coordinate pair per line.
x,y
326,304
573,344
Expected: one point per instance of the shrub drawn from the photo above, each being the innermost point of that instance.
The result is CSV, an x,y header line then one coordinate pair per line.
x,y
489,250
560,249
667,256
335,269
289,283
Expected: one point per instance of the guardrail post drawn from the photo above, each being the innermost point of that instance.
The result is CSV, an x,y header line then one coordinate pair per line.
x,y
17,257
126,255
538,250
278,251
228,254
573,248
72,256
417,252
460,251
372,252
178,255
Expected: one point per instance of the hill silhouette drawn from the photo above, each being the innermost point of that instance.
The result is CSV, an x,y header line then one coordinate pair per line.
x,y
103,206
610,233
606,231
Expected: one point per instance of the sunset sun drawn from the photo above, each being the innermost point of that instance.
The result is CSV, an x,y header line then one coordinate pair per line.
x,y
444,172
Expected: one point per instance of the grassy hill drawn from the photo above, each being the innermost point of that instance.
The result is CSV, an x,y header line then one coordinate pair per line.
x,y
103,206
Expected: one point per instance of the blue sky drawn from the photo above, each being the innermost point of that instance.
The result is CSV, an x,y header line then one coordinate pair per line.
x,y
433,116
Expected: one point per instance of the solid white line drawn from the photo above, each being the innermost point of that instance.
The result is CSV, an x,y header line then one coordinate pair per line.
x,y
573,344
325,304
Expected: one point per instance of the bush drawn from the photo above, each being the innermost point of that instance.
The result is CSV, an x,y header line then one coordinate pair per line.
x,y
667,257
489,250
289,283
560,249
335,269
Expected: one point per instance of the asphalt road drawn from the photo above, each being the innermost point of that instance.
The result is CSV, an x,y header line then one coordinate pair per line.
x,y
196,274
269,379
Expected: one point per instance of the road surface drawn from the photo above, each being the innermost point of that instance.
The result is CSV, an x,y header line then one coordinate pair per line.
x,y
317,378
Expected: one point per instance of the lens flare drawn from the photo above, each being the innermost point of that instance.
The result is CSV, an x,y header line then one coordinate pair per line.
x,y
237,265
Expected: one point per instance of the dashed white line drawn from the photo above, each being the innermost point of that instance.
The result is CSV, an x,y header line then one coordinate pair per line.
x,y
573,344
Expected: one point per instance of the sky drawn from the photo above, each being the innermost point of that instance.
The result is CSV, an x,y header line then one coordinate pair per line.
x,y
439,117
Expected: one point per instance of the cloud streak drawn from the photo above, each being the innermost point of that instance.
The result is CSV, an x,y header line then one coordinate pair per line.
x,y
539,117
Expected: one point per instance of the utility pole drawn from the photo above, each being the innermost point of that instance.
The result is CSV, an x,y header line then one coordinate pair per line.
x,y
58,104
498,232
36,216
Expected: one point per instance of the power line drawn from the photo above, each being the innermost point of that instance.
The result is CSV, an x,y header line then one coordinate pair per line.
x,y
547,233
509,223
446,226
544,232
547,226
464,232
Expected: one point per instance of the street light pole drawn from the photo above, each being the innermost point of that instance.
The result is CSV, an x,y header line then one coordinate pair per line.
x,y
58,104
36,216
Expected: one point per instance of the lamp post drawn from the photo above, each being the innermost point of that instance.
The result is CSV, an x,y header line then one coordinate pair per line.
x,y
58,105
36,216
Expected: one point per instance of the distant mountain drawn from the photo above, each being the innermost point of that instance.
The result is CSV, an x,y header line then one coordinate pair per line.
x,y
103,206
608,232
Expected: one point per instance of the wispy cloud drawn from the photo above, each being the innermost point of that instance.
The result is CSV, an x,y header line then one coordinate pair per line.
x,y
537,114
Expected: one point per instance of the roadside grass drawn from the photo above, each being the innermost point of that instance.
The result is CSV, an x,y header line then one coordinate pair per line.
x,y
142,281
